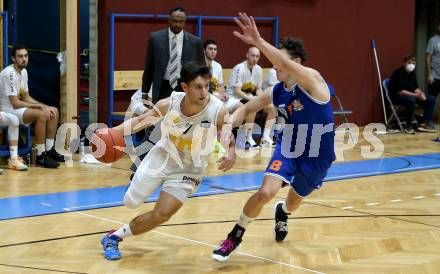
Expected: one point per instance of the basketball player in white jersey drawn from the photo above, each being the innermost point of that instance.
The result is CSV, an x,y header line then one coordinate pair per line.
x,y
177,162
15,99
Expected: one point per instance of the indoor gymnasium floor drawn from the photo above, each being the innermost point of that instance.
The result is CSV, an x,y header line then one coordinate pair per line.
x,y
371,216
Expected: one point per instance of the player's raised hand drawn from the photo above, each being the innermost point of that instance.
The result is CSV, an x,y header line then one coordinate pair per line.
x,y
249,32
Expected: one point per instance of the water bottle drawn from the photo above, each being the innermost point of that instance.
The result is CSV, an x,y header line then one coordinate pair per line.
x,y
81,147
34,153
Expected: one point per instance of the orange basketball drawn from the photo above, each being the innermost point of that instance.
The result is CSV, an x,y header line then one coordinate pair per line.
x,y
107,145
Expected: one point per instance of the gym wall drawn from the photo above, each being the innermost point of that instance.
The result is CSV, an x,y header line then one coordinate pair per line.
x,y
337,36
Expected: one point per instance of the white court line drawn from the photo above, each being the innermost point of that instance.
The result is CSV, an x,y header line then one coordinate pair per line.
x,y
199,242
354,176
231,189
372,204
252,187
225,190
419,197
347,207
149,199
86,206
396,200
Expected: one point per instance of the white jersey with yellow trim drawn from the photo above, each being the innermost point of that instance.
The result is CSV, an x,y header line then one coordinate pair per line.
x,y
191,139
12,83
180,158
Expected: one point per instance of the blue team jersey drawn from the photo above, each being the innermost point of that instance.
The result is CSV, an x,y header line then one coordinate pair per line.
x,y
305,118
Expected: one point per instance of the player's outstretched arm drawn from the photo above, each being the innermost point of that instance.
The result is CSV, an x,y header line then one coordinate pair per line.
x,y
308,78
254,105
151,117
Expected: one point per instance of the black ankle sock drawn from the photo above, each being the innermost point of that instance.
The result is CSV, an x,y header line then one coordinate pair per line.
x,y
237,233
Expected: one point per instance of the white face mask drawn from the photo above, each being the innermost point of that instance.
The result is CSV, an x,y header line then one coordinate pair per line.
x,y
410,67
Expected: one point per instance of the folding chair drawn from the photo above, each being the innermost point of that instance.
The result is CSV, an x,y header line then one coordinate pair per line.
x,y
26,150
393,115
340,111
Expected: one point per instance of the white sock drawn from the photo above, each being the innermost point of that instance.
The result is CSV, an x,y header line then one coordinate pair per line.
x,y
123,232
244,220
13,152
40,149
285,208
249,137
266,134
49,144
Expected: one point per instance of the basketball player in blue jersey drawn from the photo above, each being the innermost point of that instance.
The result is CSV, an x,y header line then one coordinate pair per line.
x,y
304,150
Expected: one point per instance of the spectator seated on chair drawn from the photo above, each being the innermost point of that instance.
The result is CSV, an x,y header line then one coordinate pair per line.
x,y
216,86
244,84
404,90
15,99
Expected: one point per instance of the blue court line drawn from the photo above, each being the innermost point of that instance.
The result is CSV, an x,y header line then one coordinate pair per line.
x,y
43,204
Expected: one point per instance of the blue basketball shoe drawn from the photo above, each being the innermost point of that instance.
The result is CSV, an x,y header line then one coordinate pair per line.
x,y
110,245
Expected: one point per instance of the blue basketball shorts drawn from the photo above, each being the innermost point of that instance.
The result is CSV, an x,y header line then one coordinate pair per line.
x,y
304,174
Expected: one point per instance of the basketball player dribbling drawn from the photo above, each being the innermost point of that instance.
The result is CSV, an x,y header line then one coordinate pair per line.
x,y
191,120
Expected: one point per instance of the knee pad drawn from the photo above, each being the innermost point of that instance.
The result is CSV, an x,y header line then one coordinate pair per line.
x,y
13,124
141,187
132,199
13,120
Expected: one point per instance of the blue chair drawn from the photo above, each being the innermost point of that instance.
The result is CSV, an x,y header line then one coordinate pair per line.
x,y
26,150
339,110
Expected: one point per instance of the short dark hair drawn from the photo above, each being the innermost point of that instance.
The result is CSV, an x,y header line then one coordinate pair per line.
x,y
409,57
179,9
295,47
17,47
209,42
191,70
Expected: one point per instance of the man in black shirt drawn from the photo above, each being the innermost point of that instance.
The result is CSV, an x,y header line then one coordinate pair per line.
x,y
405,91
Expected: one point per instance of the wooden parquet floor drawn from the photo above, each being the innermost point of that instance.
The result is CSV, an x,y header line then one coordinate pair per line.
x,y
381,224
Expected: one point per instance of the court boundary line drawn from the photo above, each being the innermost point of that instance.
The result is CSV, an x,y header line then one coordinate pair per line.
x,y
202,243
392,217
122,204
254,187
42,269
360,215
52,239
225,189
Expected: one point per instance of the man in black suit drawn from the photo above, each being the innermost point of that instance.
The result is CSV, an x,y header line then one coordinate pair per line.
x,y
167,51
